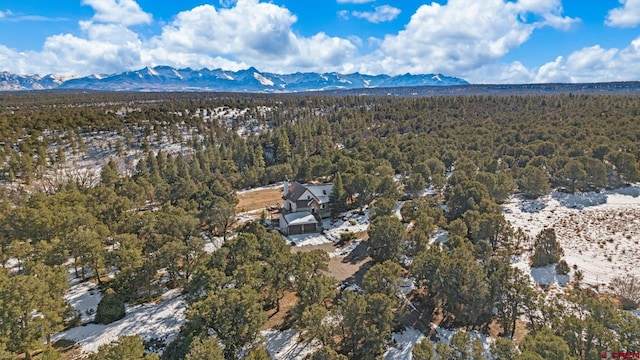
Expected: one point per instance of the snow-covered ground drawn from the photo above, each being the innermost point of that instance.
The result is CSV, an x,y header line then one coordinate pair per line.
x,y
287,345
84,297
406,340
351,222
404,343
444,336
212,243
277,185
599,232
161,320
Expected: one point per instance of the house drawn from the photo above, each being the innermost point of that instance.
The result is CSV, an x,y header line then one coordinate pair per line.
x,y
305,205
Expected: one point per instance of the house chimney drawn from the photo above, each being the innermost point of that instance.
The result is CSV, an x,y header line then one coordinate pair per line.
x,y
286,186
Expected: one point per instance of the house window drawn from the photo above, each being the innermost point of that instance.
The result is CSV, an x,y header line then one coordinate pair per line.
x,y
322,206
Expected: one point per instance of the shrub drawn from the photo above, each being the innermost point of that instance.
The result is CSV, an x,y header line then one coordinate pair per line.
x,y
110,308
562,268
627,288
347,236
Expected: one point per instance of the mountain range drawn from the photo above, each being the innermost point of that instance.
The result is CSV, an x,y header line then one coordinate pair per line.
x,y
165,78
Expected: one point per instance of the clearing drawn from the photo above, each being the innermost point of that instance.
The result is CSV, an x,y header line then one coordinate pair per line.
x,y
599,232
259,198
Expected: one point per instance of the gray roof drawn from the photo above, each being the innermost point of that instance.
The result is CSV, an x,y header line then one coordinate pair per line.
x,y
319,191
300,218
295,191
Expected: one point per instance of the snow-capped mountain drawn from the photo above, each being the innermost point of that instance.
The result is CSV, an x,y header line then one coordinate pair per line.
x,y
165,78
10,81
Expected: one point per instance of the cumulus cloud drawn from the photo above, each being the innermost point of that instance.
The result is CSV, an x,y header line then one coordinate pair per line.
x,y
201,37
500,73
268,39
465,38
227,31
594,63
626,16
381,14
125,12
3,14
464,35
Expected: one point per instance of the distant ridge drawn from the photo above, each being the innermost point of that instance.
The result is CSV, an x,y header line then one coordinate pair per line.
x,y
165,78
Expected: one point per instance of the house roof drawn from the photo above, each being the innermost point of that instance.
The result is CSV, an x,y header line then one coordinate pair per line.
x,y
320,191
295,191
300,218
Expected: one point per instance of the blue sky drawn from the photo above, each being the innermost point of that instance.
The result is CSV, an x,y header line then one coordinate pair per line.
x,y
488,41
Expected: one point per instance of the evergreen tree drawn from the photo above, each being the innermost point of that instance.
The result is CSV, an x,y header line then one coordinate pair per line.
x,y
337,198
235,314
386,239
423,350
205,349
534,182
546,345
126,347
547,249
111,308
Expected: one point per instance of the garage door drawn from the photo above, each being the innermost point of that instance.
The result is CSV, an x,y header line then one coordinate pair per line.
x,y
295,229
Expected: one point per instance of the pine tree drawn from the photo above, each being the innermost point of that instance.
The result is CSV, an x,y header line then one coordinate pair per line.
x,y
423,350
205,349
126,347
337,197
386,238
547,249
111,308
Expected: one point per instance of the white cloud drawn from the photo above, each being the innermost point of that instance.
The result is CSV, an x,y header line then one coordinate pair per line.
x,y
463,35
500,73
267,41
545,13
463,38
4,13
593,64
626,16
227,31
125,12
201,37
381,14
106,48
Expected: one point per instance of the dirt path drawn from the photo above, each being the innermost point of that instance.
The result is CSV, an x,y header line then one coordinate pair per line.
x,y
350,268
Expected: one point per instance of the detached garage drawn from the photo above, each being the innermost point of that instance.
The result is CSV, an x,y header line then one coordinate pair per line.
x,y
298,223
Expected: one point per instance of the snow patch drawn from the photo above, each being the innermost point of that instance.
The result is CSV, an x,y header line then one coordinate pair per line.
x,y
287,345
405,341
152,71
84,297
346,251
599,232
547,276
263,80
151,321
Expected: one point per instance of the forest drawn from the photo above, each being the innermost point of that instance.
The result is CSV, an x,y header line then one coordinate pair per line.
x,y
172,163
